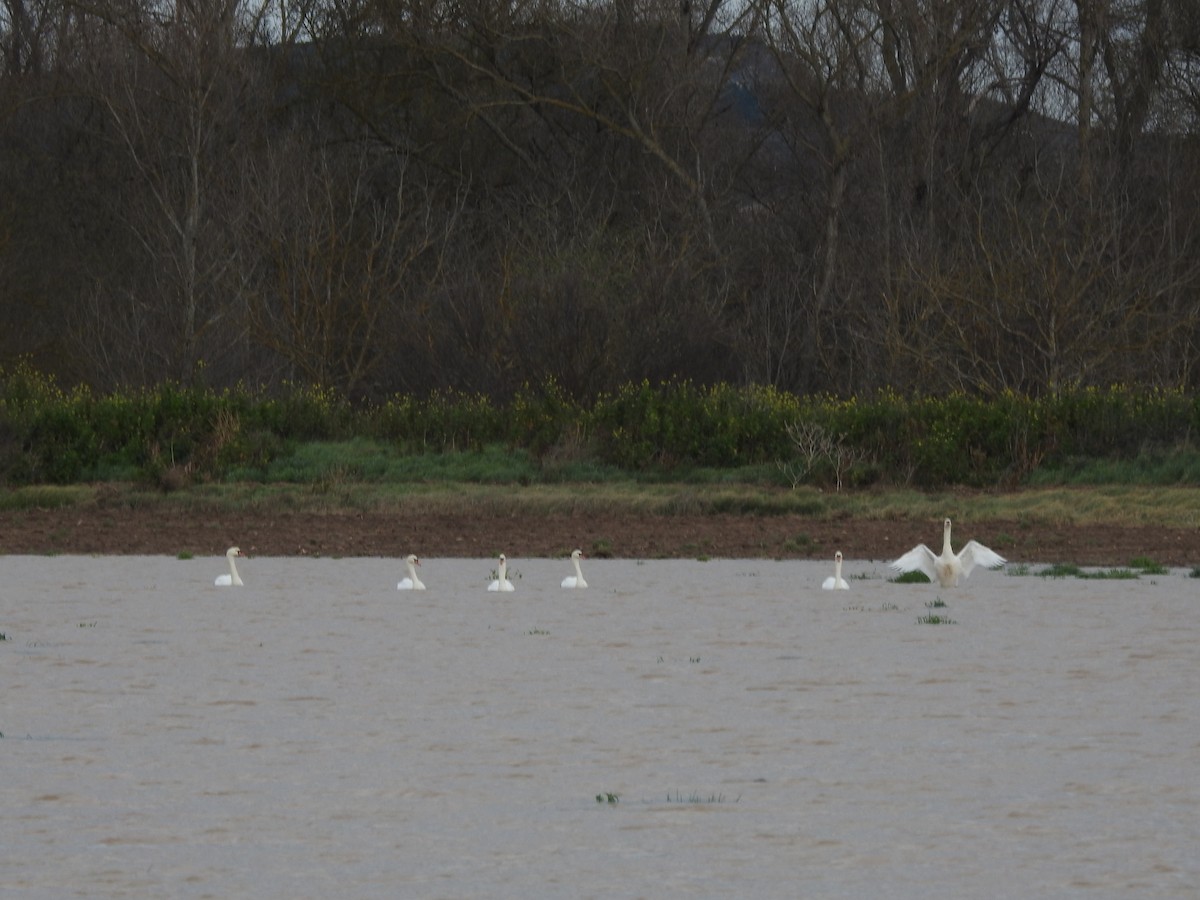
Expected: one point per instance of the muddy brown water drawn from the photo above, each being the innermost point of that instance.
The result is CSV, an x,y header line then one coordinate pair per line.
x,y
317,733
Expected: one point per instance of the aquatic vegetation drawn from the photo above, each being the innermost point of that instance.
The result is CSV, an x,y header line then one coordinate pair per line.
x,y
1060,570
1111,574
608,797
933,619
939,603
1148,566
914,577
695,797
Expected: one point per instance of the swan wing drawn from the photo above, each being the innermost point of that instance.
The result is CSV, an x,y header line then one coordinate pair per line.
x,y
495,585
224,581
919,559
406,584
569,581
975,554
835,584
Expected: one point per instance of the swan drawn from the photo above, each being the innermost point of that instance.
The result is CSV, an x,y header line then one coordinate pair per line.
x,y
412,582
576,580
948,568
232,579
501,583
836,581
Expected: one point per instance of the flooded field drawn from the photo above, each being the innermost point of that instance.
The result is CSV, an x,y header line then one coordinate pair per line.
x,y
679,729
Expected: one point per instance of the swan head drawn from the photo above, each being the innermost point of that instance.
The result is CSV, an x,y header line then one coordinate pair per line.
x,y
578,554
837,557
232,552
412,559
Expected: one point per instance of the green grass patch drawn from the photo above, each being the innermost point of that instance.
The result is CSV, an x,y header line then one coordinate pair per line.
x,y
1160,466
914,577
1148,566
364,460
45,496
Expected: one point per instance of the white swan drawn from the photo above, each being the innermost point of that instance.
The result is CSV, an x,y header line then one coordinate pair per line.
x,y
412,582
232,579
501,582
836,581
576,580
948,568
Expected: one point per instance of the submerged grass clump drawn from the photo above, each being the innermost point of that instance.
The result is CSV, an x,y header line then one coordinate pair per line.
x,y
939,603
1111,574
1061,570
933,619
1148,566
699,798
608,797
1138,567
914,577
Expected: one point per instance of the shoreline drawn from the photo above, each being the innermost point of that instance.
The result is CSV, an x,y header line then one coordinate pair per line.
x,y
164,530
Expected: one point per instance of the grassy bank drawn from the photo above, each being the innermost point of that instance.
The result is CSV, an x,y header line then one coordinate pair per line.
x,y
1124,505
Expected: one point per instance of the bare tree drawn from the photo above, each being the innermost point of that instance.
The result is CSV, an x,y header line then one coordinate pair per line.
x,y
178,93
344,244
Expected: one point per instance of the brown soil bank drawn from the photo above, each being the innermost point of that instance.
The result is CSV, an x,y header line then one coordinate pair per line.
x,y
104,530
